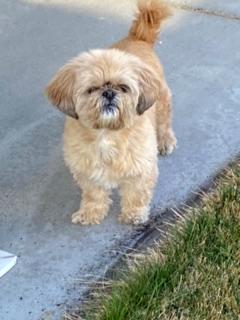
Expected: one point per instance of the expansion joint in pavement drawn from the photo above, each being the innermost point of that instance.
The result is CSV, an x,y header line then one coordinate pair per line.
x,y
208,12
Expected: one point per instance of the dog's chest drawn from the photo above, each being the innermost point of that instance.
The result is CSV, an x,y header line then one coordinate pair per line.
x,y
107,159
107,150
108,165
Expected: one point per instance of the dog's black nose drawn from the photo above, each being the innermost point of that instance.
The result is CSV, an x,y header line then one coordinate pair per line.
x,y
109,94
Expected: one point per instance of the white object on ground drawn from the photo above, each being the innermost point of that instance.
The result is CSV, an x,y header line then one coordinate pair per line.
x,y
7,261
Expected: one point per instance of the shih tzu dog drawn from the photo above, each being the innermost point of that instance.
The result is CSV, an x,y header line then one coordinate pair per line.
x,y
118,108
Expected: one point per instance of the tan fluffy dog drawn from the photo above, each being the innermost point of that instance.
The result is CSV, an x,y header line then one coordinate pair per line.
x,y
119,117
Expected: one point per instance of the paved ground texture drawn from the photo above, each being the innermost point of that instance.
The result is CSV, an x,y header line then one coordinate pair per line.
x,y
200,49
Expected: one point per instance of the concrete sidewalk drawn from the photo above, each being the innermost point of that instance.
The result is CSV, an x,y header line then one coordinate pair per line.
x,y
201,55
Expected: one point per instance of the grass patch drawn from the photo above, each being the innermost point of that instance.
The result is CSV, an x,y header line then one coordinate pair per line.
x,y
195,275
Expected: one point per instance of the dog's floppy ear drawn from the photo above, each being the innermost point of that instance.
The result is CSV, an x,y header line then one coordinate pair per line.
x,y
60,90
150,88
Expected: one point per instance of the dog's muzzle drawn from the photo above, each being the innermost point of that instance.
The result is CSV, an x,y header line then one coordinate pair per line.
x,y
109,102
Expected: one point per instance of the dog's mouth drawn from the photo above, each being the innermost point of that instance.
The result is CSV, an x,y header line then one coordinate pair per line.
x,y
109,110
109,117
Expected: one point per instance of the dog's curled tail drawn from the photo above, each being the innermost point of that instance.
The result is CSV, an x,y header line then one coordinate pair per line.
x,y
147,22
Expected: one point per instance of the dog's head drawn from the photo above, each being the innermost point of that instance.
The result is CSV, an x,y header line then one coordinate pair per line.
x,y
104,89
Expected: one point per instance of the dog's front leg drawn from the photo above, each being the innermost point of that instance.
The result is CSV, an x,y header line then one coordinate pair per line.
x,y
94,205
136,194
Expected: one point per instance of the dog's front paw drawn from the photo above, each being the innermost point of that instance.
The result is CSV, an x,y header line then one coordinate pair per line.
x,y
135,216
167,143
88,216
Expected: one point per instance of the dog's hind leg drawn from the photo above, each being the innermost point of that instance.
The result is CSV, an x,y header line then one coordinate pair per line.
x,y
165,135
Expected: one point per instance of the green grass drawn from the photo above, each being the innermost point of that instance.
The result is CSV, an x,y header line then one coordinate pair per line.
x,y
195,275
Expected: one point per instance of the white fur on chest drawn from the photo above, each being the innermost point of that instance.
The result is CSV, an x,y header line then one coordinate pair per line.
x,y
106,149
106,153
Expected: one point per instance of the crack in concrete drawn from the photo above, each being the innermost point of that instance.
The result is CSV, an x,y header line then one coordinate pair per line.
x,y
208,12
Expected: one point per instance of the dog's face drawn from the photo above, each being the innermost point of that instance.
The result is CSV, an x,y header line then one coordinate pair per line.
x,y
104,89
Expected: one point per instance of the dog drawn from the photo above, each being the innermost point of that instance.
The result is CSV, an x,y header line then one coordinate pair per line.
x,y
118,108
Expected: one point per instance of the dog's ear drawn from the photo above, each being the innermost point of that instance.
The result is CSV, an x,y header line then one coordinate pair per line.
x,y
144,103
60,90
150,88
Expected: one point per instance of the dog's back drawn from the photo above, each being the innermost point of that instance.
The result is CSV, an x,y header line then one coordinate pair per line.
x,y
140,41
144,32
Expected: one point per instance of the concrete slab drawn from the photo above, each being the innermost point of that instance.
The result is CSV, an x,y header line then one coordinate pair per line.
x,y
201,55
229,8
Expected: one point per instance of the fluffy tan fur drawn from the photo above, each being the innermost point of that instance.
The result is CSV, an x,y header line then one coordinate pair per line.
x,y
116,148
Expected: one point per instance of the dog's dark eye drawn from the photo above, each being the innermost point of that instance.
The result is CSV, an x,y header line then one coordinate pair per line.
x,y
124,88
92,89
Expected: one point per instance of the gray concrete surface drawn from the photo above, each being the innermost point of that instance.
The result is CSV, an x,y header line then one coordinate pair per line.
x,y
201,55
